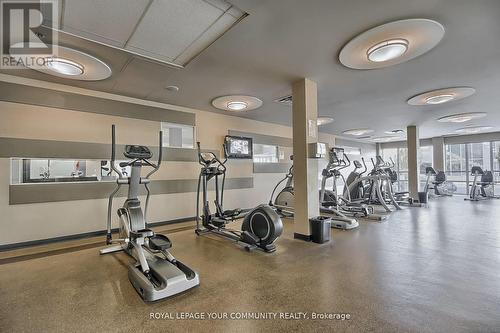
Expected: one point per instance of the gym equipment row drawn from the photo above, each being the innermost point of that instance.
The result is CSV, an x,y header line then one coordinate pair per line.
x,y
156,273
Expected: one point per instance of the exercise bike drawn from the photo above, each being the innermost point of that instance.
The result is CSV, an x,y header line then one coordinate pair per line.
x,y
437,182
261,225
483,185
156,274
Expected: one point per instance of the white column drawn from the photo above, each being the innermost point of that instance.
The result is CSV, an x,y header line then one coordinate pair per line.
x,y
305,170
413,144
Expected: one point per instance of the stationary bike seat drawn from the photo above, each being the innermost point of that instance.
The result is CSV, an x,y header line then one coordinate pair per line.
x,y
159,242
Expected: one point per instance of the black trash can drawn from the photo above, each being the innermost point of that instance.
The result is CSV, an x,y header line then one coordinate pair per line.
x,y
423,197
320,229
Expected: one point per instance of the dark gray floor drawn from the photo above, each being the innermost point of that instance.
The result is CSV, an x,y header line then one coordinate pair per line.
x,y
434,269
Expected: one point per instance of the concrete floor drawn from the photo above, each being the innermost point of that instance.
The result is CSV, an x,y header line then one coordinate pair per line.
x,y
433,269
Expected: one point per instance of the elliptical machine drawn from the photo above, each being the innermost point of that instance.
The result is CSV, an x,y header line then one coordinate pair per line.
x,y
156,274
261,225
484,188
284,202
331,202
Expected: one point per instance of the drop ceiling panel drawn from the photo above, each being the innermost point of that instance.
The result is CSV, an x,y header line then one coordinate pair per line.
x,y
110,21
208,37
170,26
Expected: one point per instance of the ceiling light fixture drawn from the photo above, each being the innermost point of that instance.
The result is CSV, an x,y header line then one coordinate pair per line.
x,y
237,106
172,88
64,66
462,117
391,43
441,96
237,103
439,99
69,63
387,50
395,132
473,129
324,120
358,131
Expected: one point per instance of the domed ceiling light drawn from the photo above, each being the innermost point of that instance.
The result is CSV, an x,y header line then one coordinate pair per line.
x,y
69,64
441,96
395,132
358,131
324,120
388,50
473,129
391,43
237,103
462,117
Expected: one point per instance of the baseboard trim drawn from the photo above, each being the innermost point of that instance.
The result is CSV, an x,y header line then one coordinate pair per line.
x,y
15,246
306,238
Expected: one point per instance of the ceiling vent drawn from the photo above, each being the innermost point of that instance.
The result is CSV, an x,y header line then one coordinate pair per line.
x,y
286,100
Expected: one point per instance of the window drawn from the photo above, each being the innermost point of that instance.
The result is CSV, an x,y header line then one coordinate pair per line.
x,y
177,135
399,156
426,160
495,154
25,170
479,155
265,153
460,158
456,166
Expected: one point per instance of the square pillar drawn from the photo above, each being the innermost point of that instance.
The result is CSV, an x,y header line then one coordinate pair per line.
x,y
413,144
438,153
305,170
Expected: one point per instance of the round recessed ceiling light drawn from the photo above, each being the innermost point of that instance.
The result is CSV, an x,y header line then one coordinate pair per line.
x,y
237,106
391,43
395,132
172,88
439,99
64,66
388,50
237,103
441,96
358,131
324,120
66,63
462,117
473,129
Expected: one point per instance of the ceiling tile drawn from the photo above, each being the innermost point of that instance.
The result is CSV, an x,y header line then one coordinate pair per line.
x,y
111,21
170,26
208,37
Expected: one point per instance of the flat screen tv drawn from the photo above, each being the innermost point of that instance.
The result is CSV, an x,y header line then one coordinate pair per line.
x,y
238,147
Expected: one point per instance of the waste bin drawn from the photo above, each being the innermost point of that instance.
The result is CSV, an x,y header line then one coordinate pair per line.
x,y
320,229
423,197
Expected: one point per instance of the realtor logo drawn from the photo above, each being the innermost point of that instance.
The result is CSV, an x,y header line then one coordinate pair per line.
x,y
22,43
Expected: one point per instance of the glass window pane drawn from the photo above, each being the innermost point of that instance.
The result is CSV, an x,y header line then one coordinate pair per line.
x,y
479,155
455,166
403,159
496,160
177,135
265,153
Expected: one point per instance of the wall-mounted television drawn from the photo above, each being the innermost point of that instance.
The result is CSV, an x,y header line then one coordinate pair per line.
x,y
238,147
